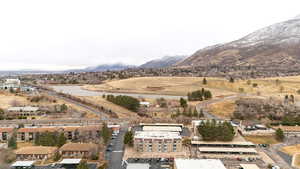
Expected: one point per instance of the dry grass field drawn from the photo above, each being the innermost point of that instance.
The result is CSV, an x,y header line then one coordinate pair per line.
x,y
261,139
291,150
296,161
279,86
223,109
7,100
121,112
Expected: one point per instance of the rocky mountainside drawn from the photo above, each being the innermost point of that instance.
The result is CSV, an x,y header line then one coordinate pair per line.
x,y
275,46
106,67
163,62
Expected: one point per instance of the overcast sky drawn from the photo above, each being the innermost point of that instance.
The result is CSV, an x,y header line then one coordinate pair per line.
x,y
63,34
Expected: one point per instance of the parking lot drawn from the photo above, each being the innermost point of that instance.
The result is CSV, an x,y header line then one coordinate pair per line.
x,y
115,150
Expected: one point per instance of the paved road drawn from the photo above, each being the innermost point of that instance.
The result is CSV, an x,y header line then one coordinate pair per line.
x,y
204,104
115,157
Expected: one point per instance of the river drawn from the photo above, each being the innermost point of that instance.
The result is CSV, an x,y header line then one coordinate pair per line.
x,y
78,91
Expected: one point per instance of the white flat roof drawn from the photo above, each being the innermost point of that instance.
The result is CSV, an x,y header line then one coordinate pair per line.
x,y
162,128
242,143
70,161
249,166
161,124
138,166
23,164
156,135
227,150
26,108
199,163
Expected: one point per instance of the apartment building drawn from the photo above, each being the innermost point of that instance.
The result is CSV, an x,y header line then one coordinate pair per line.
x,y
5,133
157,141
70,132
35,153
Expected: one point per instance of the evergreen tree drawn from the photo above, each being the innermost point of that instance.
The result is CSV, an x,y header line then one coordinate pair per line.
x,y
204,81
128,139
106,133
56,156
183,102
12,142
61,140
195,113
231,80
279,135
82,165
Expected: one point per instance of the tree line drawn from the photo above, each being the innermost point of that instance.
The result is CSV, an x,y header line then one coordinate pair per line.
x,y
199,95
127,102
50,139
216,131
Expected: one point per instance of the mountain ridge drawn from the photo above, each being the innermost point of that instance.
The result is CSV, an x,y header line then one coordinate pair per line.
x,y
274,46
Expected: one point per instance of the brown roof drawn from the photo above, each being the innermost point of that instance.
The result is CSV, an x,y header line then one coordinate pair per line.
x,y
6,129
78,147
36,150
61,128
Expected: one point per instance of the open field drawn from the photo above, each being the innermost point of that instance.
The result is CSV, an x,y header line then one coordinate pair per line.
x,y
296,161
279,86
262,139
223,109
156,85
7,100
121,112
291,150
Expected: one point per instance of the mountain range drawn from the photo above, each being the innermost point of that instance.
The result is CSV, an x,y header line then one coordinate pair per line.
x,y
275,46
166,61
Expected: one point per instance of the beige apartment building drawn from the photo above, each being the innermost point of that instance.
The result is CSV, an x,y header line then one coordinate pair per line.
x,y
78,150
70,132
157,141
5,133
35,152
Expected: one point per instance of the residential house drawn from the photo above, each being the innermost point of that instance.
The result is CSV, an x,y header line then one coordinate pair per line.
x,y
78,150
35,153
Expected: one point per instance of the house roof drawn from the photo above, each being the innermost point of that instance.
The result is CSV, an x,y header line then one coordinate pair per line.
x,y
36,150
199,163
23,164
78,147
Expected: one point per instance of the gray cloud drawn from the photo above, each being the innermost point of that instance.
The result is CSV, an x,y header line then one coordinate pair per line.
x,y
66,34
